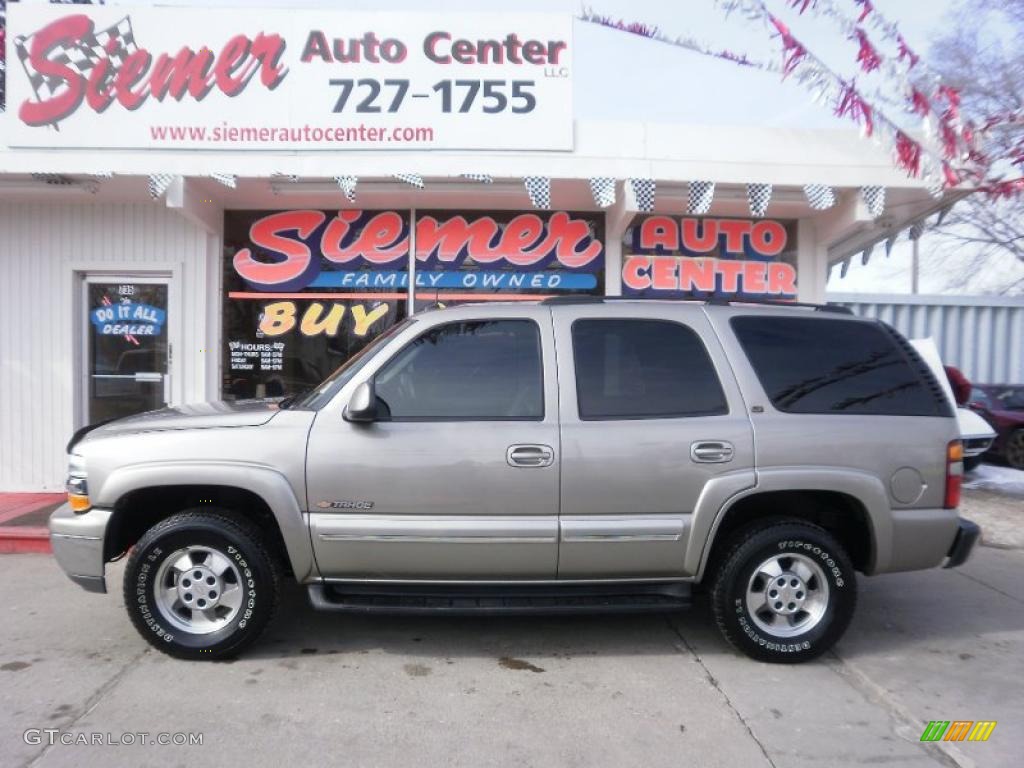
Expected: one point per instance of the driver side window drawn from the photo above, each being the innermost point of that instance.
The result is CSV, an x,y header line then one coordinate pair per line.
x,y
479,370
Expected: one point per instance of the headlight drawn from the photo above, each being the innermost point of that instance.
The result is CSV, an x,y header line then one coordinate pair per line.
x,y
77,486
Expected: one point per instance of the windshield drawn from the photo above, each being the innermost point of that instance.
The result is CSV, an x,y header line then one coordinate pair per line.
x,y
318,395
1008,398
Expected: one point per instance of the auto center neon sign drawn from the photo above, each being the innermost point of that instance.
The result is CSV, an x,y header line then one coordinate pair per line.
x,y
693,256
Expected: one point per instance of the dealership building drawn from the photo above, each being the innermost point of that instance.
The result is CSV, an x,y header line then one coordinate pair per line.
x,y
195,206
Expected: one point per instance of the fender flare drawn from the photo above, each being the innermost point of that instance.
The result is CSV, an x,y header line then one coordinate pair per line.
x,y
266,482
867,489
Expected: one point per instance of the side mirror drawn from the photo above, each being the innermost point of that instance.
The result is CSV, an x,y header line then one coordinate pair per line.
x,y
362,408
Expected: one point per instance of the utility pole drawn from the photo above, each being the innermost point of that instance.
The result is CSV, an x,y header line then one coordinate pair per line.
x,y
915,265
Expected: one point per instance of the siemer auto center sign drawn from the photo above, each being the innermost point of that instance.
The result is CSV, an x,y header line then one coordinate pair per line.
x,y
188,78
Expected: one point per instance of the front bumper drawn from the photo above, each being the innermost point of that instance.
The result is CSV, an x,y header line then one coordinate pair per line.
x,y
77,541
967,535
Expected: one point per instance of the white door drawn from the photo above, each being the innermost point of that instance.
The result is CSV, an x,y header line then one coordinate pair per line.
x,y
126,350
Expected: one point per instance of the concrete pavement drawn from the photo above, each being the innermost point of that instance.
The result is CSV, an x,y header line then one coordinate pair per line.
x,y
581,691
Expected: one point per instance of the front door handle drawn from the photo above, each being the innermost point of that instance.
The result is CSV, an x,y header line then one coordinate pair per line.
x,y
529,455
711,451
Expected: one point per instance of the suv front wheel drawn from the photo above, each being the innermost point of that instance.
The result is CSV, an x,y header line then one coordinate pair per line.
x,y
201,585
785,592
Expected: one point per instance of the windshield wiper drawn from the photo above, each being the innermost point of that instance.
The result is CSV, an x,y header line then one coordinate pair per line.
x,y
287,402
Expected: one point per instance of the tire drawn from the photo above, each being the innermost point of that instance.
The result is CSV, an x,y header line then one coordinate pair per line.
x,y
971,463
1015,449
231,584
815,610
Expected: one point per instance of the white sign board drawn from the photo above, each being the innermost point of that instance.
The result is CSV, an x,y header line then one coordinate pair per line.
x,y
192,78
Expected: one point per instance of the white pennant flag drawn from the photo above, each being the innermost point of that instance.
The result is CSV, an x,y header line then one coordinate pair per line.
x,y
699,197
227,179
874,198
643,193
347,184
759,195
158,184
820,197
412,179
539,190
603,190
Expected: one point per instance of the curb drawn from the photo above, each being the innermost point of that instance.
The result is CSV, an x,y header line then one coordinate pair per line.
x,y
16,540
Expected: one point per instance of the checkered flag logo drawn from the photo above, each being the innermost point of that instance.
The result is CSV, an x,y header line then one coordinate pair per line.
x,y
874,199
820,197
412,179
758,196
158,184
699,197
643,192
539,190
115,43
483,178
347,184
603,190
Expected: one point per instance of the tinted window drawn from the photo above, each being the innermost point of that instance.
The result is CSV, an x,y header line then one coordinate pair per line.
x,y
636,369
817,365
480,370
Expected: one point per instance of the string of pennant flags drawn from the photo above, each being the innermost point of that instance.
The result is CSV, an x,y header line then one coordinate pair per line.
x,y
641,194
700,194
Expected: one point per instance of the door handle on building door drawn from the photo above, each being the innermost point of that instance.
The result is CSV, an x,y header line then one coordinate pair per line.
x,y
711,451
529,455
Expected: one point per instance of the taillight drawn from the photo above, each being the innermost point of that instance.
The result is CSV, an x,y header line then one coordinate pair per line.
x,y
954,473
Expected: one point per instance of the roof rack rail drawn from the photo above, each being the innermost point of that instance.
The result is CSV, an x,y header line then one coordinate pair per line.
x,y
837,309
716,301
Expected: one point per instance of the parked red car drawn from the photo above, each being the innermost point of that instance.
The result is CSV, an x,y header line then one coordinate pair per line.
x,y
1002,406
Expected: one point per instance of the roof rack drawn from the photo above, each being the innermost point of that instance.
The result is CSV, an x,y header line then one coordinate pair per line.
x,y
715,301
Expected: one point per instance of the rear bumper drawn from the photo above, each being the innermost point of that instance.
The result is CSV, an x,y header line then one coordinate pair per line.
x,y
967,535
77,541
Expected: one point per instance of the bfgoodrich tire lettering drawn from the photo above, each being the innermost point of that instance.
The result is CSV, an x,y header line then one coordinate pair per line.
x,y
819,568
239,551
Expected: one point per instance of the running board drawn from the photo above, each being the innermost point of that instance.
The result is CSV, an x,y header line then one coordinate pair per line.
x,y
503,599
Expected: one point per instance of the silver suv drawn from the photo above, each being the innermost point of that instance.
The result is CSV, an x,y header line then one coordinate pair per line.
x,y
571,455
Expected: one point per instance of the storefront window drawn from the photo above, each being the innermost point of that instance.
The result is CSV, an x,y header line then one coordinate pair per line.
x,y
304,290
303,293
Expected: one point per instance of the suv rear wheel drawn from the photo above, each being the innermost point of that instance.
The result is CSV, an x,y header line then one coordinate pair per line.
x,y
785,592
201,585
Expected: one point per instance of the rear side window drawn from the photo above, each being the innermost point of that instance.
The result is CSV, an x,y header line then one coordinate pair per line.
x,y
643,369
817,365
487,370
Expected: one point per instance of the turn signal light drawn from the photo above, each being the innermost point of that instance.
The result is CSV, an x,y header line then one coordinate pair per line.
x,y
78,503
78,494
954,473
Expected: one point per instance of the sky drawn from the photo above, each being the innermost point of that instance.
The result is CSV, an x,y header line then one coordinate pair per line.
x,y
623,77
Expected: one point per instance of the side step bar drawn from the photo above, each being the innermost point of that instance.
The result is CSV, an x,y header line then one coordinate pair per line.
x,y
503,599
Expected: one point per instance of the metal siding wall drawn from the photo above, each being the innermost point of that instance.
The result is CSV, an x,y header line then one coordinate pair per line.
x,y
983,339
38,243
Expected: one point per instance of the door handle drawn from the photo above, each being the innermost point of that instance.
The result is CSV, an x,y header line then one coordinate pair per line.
x,y
711,451
529,455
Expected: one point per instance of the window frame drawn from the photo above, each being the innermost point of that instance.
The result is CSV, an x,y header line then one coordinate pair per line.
x,y
468,419
726,408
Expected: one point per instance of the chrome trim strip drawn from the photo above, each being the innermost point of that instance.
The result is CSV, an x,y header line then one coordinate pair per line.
x,y
612,537
469,539
508,582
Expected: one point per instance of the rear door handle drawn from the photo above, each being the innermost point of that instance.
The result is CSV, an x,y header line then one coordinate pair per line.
x,y
711,451
529,455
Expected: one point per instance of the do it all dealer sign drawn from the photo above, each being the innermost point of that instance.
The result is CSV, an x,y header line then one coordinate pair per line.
x,y
192,78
